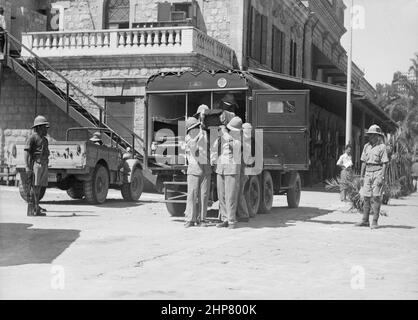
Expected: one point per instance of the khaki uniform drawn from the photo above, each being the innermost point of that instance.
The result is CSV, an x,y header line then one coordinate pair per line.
x,y
228,170
38,150
242,211
374,157
198,177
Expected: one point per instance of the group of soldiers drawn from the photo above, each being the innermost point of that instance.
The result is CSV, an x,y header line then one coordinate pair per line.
x,y
226,158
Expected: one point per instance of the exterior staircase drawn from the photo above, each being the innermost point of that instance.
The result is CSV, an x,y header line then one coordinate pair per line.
x,y
70,98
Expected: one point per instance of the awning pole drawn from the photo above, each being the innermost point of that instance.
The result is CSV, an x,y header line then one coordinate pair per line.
x,y
349,106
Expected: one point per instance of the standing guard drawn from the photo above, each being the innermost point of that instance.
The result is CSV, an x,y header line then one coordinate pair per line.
x,y
374,159
36,159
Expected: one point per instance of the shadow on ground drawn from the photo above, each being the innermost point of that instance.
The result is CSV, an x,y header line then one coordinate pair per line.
x,y
279,217
21,245
110,203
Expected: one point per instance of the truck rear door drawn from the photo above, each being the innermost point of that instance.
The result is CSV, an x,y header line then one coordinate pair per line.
x,y
283,116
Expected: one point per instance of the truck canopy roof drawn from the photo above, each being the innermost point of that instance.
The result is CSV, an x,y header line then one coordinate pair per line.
x,y
205,80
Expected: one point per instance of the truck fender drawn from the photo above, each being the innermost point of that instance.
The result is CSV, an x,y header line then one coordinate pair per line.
x,y
128,167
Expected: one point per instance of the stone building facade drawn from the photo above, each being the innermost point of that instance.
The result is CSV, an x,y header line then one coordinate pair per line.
x,y
108,48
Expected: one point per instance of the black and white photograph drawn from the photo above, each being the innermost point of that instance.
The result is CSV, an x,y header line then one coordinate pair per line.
x,y
202,150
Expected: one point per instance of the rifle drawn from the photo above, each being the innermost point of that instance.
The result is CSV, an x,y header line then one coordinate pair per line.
x,y
30,193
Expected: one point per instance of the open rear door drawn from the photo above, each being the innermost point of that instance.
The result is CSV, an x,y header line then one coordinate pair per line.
x,y
284,118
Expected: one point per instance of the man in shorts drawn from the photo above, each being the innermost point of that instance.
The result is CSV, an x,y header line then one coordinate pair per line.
x,y
374,160
36,158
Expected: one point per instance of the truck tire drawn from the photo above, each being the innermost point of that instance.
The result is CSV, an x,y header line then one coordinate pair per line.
x,y
23,191
95,190
175,209
132,191
253,196
293,194
267,191
76,190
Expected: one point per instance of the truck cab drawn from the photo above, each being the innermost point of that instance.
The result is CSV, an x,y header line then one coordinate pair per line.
x,y
280,117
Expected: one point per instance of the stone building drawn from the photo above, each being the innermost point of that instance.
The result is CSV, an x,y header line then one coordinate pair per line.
x,y
108,49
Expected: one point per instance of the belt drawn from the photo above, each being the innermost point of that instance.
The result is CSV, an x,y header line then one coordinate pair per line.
x,y
373,167
40,160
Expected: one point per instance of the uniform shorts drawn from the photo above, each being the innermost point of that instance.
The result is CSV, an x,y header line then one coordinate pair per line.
x,y
373,184
40,172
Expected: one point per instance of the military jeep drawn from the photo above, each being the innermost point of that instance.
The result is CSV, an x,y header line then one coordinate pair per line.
x,y
87,170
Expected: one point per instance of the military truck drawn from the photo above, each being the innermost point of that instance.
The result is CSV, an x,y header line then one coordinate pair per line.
x,y
281,115
87,170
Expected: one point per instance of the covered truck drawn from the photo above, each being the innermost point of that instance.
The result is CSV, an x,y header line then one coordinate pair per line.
x,y
280,115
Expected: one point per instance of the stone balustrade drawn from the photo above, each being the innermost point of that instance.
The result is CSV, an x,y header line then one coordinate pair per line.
x,y
141,41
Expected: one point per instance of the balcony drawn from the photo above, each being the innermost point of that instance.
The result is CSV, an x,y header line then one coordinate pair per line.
x,y
139,41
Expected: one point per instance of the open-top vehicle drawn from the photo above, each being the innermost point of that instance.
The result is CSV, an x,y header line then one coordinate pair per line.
x,y
86,169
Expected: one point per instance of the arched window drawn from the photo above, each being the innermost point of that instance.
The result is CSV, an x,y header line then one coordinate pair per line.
x,y
117,14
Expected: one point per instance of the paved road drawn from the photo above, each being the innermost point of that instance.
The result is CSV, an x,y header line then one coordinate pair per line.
x,y
137,251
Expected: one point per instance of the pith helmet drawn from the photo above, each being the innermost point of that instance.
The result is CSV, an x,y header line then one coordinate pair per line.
x,y
191,123
247,126
235,124
40,121
96,137
375,129
202,108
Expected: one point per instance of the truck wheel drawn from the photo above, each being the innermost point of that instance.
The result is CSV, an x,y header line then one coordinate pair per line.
x,y
23,191
266,202
76,191
253,196
175,209
293,194
132,191
95,190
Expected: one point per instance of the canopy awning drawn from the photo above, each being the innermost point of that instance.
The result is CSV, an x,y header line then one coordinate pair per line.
x,y
330,97
205,80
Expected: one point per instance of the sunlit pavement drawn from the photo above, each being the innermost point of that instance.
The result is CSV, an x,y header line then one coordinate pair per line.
x,y
123,250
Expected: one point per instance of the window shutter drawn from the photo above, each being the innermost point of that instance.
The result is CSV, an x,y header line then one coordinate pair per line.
x,y
164,11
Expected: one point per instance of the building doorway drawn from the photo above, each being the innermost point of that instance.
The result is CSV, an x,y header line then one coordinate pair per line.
x,y
122,111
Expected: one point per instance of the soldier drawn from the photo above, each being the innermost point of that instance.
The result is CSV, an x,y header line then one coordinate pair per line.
x,y
242,210
226,152
228,103
374,159
200,113
97,138
198,174
36,158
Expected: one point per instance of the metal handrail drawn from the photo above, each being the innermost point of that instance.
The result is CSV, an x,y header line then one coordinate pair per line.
x,y
68,82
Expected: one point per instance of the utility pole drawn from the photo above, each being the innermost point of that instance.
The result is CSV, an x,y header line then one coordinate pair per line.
x,y
349,106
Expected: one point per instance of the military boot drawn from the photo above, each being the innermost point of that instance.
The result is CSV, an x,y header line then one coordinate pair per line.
x,y
366,212
376,212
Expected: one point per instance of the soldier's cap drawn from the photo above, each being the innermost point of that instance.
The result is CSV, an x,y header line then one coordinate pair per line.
x,y
201,109
191,123
96,137
247,126
229,99
40,121
235,124
375,129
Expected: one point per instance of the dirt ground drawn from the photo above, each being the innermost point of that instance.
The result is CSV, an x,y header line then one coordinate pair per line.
x,y
137,251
